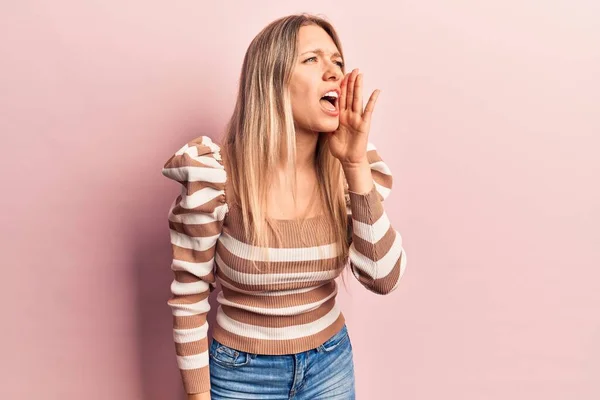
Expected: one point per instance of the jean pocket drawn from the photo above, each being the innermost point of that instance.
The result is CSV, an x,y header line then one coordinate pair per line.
x,y
336,340
226,356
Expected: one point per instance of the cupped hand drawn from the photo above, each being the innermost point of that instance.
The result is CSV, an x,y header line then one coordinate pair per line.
x,y
349,142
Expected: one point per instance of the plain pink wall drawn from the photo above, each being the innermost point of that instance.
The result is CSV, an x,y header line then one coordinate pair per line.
x,y
488,118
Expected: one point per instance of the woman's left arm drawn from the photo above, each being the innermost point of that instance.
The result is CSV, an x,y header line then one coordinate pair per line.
x,y
377,258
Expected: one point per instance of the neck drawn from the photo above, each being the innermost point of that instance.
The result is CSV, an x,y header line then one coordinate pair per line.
x,y
306,148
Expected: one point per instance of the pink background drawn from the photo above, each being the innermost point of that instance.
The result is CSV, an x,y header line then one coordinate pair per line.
x,y
488,117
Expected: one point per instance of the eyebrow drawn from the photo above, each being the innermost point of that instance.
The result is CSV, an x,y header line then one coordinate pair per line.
x,y
320,51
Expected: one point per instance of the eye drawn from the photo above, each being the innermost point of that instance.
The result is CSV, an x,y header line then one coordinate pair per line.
x,y
339,63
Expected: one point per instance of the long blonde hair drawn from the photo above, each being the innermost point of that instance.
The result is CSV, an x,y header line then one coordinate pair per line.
x,y
260,135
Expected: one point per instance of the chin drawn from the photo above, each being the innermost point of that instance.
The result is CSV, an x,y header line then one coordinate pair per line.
x,y
319,125
329,127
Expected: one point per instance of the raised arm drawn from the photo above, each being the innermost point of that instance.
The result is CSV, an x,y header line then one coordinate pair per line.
x,y
377,258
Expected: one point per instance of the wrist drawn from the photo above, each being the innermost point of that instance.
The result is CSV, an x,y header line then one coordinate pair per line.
x,y
356,165
199,396
358,176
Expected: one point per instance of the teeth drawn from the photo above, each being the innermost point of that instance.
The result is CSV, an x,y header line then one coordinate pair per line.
x,y
331,94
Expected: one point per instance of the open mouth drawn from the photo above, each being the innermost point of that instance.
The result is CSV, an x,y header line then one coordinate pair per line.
x,y
330,101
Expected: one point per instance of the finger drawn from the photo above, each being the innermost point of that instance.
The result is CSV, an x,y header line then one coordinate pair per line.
x,y
371,106
350,89
343,88
357,105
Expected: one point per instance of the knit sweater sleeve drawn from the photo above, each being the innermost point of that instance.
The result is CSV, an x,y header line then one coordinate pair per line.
x,y
377,258
195,221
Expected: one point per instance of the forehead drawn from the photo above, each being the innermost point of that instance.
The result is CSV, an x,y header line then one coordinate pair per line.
x,y
311,37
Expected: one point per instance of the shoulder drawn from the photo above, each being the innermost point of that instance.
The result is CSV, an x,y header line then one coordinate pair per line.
x,y
198,160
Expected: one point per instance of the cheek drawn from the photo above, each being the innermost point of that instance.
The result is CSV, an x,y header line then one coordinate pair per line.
x,y
301,87
300,94
301,101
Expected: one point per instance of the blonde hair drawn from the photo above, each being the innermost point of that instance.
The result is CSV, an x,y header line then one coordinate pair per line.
x,y
260,135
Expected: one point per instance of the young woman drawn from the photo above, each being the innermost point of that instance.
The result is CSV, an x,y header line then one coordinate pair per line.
x,y
276,212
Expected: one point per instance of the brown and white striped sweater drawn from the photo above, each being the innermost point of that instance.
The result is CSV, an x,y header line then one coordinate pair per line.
x,y
286,309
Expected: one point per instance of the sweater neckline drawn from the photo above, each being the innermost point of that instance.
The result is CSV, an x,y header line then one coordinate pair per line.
x,y
279,221
298,221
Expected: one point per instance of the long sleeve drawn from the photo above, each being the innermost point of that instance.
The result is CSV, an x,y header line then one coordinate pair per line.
x,y
377,258
195,221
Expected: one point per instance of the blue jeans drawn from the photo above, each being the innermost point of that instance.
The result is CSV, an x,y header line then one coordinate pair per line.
x,y
326,372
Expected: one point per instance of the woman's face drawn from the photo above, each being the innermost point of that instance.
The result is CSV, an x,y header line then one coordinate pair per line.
x,y
317,71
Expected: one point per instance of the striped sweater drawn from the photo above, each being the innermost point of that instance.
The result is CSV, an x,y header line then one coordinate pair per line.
x,y
288,308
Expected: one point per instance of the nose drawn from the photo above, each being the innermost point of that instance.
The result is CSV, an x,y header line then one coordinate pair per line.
x,y
333,72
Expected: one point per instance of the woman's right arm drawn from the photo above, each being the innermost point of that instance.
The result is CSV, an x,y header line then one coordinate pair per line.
x,y
195,221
